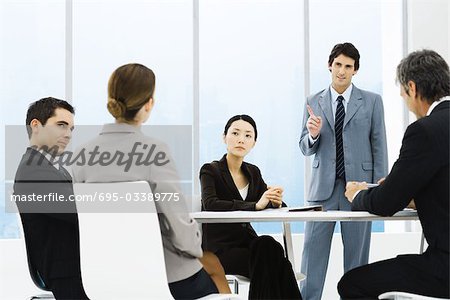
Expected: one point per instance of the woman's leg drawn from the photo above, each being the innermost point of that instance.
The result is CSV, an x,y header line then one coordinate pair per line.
x,y
214,268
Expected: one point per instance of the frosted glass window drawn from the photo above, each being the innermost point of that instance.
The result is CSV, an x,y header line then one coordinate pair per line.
x,y
251,62
32,66
251,56
375,28
108,34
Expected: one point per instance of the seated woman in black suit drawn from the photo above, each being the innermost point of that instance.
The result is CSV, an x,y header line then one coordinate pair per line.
x,y
232,184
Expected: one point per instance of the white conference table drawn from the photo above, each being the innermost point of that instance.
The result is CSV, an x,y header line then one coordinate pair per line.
x,y
285,216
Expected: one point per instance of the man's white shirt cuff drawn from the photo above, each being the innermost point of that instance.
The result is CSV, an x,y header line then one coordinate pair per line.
x,y
354,196
312,140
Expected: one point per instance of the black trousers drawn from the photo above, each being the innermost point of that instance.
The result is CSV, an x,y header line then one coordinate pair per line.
x,y
270,272
235,261
198,285
425,274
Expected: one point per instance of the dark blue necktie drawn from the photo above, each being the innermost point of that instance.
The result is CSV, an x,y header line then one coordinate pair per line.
x,y
338,125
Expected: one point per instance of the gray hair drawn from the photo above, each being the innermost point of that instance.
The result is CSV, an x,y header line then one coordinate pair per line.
x,y
429,71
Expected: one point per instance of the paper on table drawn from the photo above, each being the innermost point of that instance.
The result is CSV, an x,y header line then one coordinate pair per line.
x,y
372,185
307,208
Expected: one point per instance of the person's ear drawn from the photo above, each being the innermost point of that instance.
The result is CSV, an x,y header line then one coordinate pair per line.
x,y
149,104
412,89
354,72
35,125
224,138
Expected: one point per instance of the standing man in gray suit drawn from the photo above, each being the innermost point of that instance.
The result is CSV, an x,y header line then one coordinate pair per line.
x,y
344,129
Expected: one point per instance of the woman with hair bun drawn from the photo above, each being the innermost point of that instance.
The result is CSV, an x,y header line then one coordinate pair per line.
x,y
130,101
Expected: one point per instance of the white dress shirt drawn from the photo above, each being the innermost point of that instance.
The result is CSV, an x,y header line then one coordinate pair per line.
x,y
436,103
244,192
334,95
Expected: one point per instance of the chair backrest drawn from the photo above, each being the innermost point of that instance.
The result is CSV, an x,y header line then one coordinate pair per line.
x,y
121,253
34,272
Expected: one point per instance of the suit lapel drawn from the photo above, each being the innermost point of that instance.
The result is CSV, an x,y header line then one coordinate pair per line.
x,y
226,175
65,173
353,105
325,105
247,173
43,162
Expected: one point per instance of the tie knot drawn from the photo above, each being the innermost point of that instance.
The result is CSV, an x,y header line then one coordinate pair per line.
x,y
340,99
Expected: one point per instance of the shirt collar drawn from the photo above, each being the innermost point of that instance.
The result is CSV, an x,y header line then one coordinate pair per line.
x,y
346,94
436,103
120,128
53,160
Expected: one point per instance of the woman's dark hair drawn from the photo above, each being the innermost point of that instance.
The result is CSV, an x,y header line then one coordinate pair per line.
x,y
245,118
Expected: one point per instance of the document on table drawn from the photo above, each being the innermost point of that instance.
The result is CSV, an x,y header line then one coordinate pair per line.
x,y
306,208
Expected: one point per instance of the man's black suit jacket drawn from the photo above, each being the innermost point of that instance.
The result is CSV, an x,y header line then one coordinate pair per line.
x,y
420,173
219,193
52,238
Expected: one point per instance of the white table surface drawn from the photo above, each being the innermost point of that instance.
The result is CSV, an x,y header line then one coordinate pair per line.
x,y
285,216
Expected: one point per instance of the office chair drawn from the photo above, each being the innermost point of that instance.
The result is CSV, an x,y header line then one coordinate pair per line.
x,y
39,282
122,253
237,280
34,273
405,296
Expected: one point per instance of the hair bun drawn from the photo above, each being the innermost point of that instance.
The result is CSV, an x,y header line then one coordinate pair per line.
x,y
116,108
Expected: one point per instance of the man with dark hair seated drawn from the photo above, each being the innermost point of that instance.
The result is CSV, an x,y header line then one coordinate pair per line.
x,y
50,227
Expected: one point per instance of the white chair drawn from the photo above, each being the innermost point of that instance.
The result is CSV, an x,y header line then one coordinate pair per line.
x,y
122,253
237,280
406,296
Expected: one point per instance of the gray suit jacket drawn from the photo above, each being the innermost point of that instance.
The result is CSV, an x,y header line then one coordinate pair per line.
x,y
181,235
364,138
